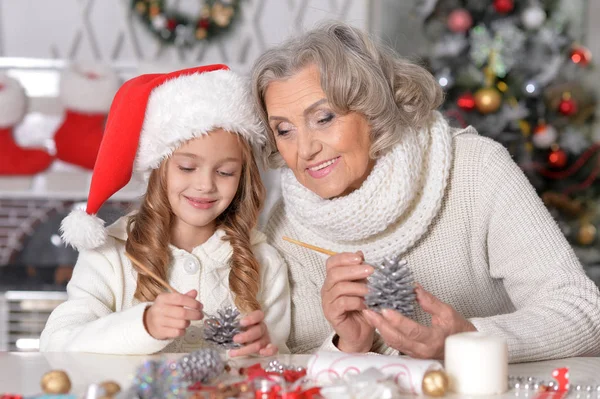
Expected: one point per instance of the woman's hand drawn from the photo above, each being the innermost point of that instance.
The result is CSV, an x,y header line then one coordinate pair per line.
x,y
171,313
255,338
417,340
342,297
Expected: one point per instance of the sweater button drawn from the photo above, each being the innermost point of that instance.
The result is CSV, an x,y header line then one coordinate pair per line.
x,y
191,265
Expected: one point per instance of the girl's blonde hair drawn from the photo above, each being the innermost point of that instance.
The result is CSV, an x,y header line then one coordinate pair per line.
x,y
149,233
357,74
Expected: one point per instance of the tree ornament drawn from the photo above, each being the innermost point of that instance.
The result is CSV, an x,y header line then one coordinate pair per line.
x,y
466,102
111,388
587,233
460,20
445,78
567,105
221,328
533,17
56,382
435,383
391,286
487,100
557,158
532,88
504,6
202,366
580,55
544,136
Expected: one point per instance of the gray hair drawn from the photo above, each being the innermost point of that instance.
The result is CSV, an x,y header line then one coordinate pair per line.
x,y
357,74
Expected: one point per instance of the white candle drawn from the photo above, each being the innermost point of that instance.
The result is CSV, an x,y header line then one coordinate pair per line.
x,y
476,364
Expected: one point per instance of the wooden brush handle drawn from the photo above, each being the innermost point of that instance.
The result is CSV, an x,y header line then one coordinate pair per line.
x,y
150,273
309,246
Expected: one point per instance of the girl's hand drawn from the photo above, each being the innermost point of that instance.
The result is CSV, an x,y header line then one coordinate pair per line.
x,y
343,301
255,339
417,340
171,313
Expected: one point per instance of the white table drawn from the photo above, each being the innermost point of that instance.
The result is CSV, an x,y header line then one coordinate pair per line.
x,y
21,372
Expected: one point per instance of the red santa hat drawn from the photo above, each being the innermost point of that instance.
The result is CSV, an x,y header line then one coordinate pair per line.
x,y
150,117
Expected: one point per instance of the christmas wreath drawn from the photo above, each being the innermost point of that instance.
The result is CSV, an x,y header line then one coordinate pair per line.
x,y
173,27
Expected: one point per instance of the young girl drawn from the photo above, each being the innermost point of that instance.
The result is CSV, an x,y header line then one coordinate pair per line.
x,y
192,134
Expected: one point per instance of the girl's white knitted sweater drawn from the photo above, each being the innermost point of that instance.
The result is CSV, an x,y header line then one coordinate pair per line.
x,y
102,316
474,233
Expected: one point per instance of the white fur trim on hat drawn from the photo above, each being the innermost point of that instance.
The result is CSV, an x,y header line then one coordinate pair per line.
x,y
88,88
82,230
192,105
13,102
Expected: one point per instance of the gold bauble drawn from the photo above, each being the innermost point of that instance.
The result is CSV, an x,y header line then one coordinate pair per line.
x,y
111,388
56,382
222,15
487,100
586,234
435,383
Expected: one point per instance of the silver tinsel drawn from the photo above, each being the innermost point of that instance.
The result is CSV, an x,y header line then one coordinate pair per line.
x,y
159,379
391,286
202,365
505,40
221,329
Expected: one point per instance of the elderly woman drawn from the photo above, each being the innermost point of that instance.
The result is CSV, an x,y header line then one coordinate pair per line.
x,y
372,171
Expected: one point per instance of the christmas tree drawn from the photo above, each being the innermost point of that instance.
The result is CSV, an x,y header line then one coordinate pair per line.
x,y
513,70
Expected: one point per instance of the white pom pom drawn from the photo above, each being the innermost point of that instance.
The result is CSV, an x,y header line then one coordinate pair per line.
x,y
82,230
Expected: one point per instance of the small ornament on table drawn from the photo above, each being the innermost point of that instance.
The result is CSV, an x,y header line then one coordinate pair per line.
x,y
580,55
488,100
56,382
460,20
290,373
544,135
435,383
391,286
533,17
557,158
221,329
504,6
567,105
466,102
201,366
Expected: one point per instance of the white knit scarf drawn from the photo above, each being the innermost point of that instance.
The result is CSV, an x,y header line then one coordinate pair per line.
x,y
391,210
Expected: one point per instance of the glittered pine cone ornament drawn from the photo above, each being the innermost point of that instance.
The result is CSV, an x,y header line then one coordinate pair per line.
x,y
221,329
391,286
203,365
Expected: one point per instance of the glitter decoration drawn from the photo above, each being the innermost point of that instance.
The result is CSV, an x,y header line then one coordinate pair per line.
x,y
391,286
527,383
275,366
203,365
221,329
159,379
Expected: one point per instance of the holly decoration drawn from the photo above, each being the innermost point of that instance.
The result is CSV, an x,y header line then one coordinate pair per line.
x,y
176,28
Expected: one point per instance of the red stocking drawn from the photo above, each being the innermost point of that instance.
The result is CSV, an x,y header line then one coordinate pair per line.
x,y
87,93
15,160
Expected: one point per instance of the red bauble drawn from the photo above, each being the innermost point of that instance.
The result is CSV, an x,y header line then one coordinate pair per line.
x,y
557,158
581,55
466,102
504,6
460,20
567,106
171,24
